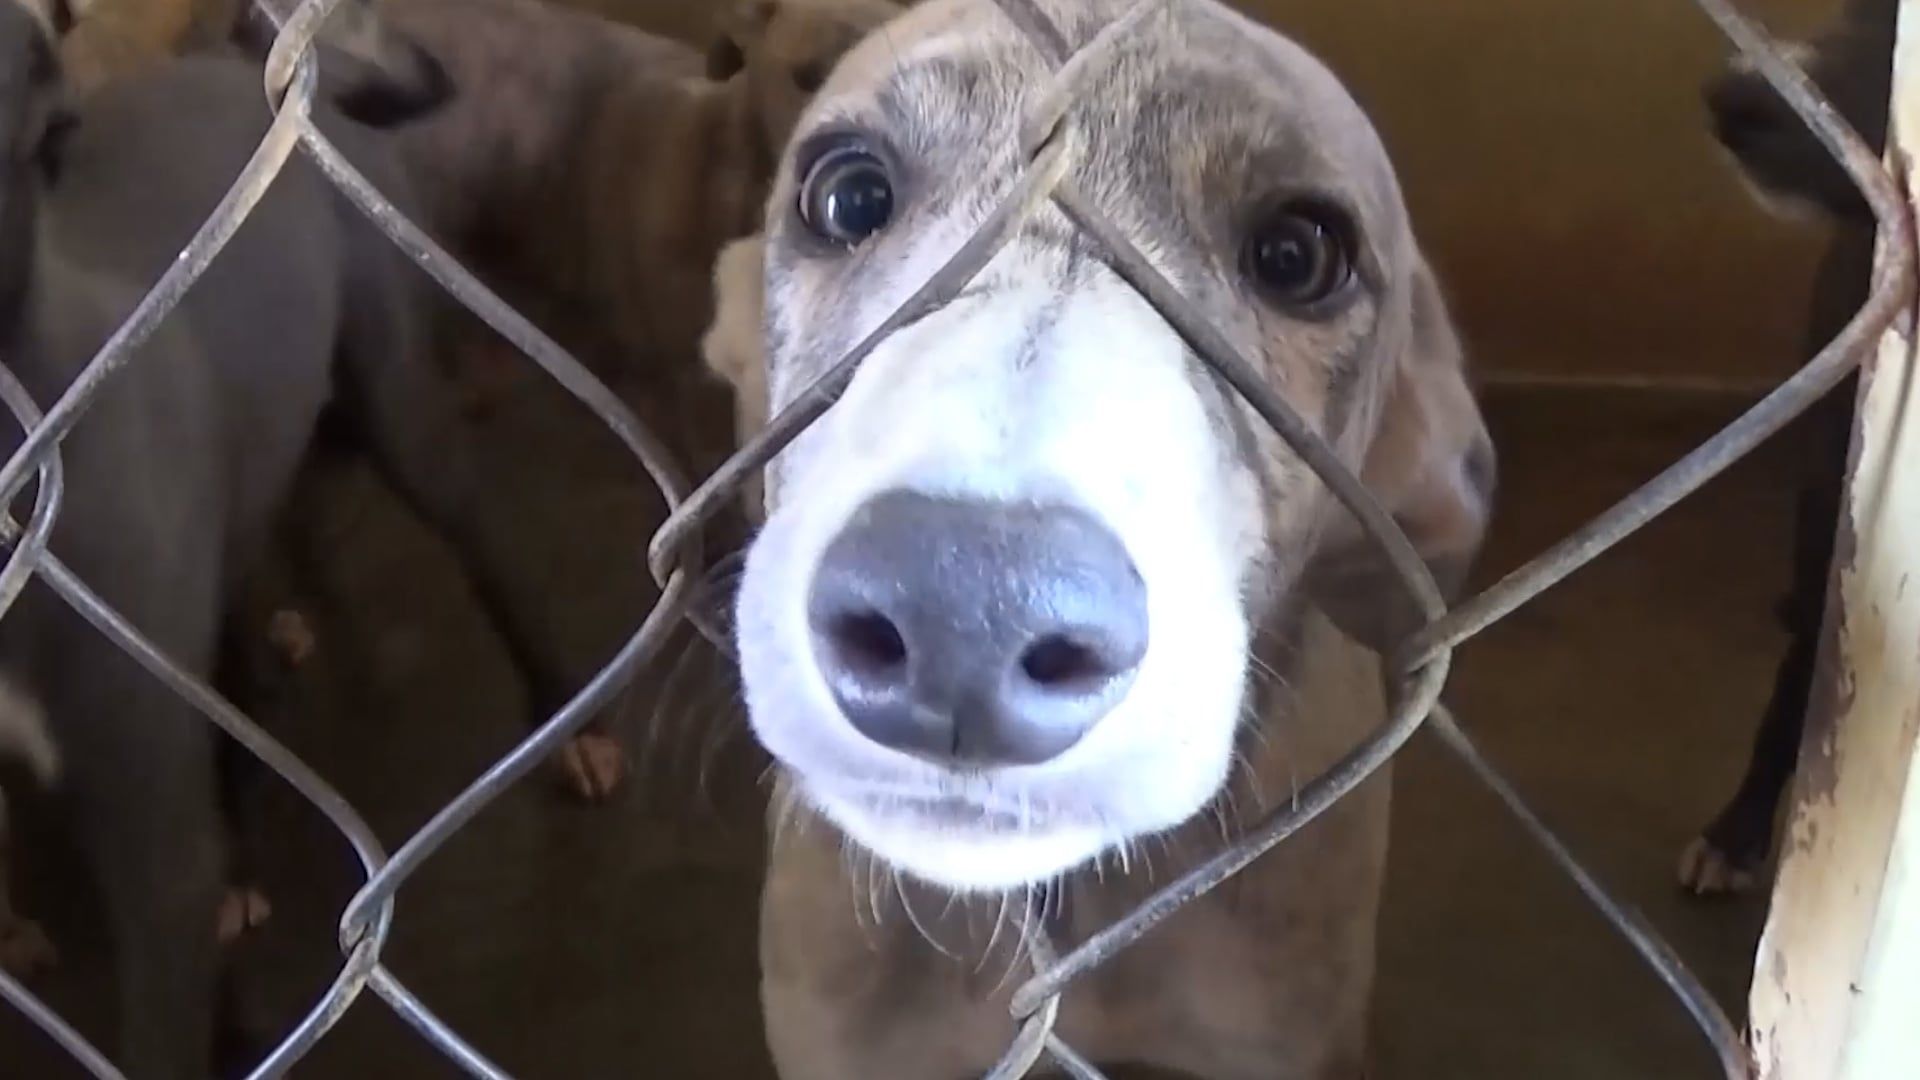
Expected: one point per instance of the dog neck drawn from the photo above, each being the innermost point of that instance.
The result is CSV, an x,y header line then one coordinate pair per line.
x,y
1315,694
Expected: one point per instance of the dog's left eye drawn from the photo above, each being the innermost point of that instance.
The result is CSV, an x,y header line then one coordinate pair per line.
x,y
1298,256
846,196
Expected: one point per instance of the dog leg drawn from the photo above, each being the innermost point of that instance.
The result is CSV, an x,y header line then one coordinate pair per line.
x,y
243,905
421,445
25,949
144,813
1727,856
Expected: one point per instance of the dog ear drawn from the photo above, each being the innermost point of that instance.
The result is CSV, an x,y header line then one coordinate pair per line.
x,y
738,29
734,347
1431,466
731,346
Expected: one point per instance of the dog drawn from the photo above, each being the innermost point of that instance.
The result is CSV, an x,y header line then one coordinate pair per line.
x,y
1039,601
175,476
1792,176
593,171
732,349
590,172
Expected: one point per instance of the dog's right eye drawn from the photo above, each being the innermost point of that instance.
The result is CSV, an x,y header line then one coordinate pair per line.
x,y
1298,257
846,196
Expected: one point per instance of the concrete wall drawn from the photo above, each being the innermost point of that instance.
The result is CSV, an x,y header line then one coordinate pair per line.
x,y
1556,157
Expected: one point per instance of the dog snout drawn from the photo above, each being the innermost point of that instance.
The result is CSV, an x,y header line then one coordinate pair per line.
x,y
976,633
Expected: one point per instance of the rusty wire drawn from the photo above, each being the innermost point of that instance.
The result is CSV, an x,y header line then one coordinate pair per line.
x,y
1050,140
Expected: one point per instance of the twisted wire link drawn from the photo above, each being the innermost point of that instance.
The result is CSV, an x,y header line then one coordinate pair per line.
x,y
1050,142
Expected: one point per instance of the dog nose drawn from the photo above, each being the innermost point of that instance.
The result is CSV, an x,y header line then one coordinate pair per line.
x,y
976,633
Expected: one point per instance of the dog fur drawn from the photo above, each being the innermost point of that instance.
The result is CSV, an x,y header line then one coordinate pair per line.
x,y
103,40
175,476
1791,175
589,173
885,940
595,171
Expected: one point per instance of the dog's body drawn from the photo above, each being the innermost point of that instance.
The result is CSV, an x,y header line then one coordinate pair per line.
x,y
1045,449
1792,175
594,171
589,173
175,476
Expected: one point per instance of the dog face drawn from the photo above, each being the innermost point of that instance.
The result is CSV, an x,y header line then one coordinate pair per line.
x,y
784,49
31,120
999,619
1784,166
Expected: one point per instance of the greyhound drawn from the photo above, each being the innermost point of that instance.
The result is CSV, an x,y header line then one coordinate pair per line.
x,y
1039,600
1793,176
596,170
590,172
174,477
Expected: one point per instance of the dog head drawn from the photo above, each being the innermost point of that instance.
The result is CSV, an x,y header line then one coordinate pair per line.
x,y
1000,617
1783,165
33,121
783,50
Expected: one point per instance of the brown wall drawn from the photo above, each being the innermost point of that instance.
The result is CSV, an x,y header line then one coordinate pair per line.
x,y
1556,157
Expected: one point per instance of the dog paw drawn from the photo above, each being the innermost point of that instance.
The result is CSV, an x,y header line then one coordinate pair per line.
x,y
241,910
292,636
25,949
1705,871
593,764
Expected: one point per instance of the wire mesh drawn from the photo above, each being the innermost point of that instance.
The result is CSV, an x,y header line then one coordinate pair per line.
x,y
1051,141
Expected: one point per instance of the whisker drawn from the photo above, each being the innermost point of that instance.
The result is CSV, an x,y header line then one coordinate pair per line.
x,y
993,938
906,903
850,857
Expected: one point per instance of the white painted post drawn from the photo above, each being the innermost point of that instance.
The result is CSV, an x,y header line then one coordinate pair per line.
x,y
1836,992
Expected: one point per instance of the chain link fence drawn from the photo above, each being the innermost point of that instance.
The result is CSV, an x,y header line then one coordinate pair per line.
x,y
1418,670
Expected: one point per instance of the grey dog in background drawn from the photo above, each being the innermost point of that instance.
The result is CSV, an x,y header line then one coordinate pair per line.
x,y
1038,602
175,476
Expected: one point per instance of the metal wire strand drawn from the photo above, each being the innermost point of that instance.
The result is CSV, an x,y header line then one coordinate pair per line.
x,y
1035,1037
1315,797
27,547
1890,292
228,215
1708,1016
1028,194
63,1034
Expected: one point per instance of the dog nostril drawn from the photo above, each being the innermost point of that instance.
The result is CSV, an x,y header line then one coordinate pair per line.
x,y
867,643
1059,662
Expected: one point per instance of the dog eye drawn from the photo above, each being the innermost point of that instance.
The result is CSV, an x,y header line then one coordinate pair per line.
x,y
1298,256
846,196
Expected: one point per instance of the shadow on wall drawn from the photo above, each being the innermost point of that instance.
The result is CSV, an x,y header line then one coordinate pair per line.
x,y
1556,156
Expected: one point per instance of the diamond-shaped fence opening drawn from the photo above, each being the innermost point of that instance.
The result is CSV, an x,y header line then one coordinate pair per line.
x,y
1418,670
